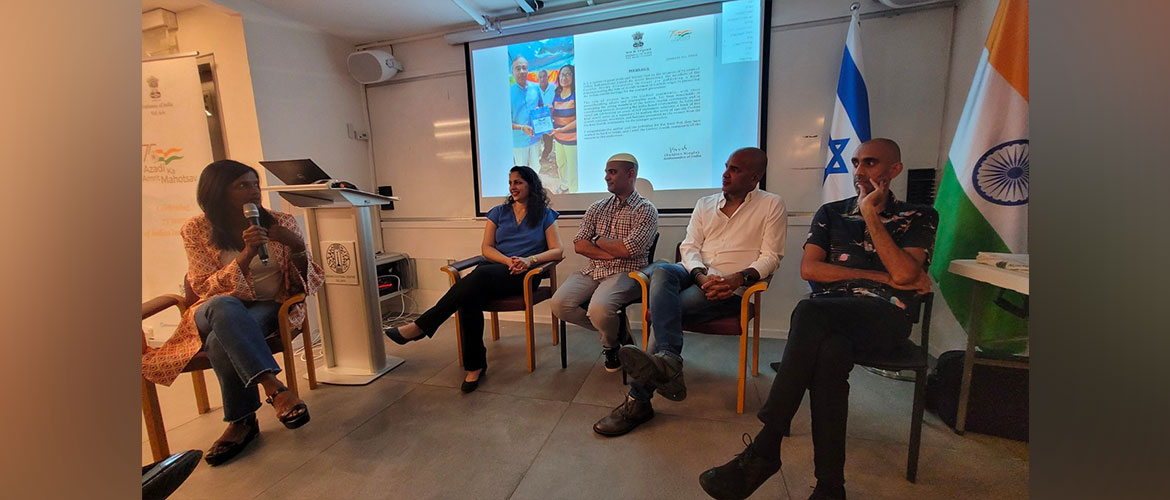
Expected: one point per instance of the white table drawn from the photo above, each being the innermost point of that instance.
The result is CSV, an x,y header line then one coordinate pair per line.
x,y
984,276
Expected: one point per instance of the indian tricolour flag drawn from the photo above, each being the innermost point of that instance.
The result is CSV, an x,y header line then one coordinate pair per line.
x,y
983,198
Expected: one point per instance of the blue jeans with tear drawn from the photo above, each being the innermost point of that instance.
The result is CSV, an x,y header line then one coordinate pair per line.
x,y
233,334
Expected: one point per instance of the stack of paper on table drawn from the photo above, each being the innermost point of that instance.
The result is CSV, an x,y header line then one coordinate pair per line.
x,y
1009,261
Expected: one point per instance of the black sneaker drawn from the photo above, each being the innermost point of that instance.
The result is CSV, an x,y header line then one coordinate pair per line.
x,y
661,371
739,478
612,363
624,418
828,493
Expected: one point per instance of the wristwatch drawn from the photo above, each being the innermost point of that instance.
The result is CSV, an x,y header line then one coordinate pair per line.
x,y
748,279
697,271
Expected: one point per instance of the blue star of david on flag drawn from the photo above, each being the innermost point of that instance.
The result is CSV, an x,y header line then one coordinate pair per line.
x,y
850,125
836,163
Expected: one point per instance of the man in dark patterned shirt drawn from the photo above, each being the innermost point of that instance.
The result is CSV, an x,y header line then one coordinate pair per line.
x,y
615,235
866,257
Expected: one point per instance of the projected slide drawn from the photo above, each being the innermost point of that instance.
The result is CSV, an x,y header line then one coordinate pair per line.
x,y
680,95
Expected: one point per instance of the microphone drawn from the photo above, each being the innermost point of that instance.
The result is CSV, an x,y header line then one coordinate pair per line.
x,y
252,213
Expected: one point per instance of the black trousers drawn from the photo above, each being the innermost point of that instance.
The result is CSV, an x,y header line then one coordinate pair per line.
x,y
468,296
825,336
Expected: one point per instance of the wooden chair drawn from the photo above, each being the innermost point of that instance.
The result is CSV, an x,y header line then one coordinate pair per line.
x,y
749,309
622,318
279,341
907,356
531,296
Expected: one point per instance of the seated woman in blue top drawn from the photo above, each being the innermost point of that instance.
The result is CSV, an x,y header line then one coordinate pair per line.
x,y
520,234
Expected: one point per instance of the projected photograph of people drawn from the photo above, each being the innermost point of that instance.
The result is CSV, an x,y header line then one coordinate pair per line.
x,y
544,112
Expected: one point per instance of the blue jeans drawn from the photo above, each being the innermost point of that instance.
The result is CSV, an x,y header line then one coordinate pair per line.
x,y
673,297
233,336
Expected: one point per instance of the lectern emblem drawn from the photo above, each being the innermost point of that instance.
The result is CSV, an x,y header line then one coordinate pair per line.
x,y
337,258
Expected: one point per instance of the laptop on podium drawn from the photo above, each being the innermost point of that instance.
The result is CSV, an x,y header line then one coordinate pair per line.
x,y
294,172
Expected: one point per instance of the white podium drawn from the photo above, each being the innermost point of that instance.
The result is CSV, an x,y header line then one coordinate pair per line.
x,y
340,233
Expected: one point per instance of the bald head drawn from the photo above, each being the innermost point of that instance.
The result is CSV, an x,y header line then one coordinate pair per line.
x,y
876,161
887,149
744,169
752,158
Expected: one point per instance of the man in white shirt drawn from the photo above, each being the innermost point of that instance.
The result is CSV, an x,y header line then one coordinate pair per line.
x,y
734,239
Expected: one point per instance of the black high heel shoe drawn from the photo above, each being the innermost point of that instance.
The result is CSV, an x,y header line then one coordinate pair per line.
x,y
222,451
397,337
473,385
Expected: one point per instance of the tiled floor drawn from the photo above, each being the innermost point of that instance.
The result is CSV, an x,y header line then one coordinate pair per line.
x,y
412,434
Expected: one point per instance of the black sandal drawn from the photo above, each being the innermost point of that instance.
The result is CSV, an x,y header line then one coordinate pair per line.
x,y
295,417
222,451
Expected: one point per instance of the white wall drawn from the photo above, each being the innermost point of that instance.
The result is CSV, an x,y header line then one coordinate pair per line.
x,y
304,96
219,33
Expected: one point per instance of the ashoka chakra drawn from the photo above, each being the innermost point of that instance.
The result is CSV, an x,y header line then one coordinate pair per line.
x,y
1001,174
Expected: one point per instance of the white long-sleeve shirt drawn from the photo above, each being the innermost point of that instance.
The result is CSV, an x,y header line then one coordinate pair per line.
x,y
752,237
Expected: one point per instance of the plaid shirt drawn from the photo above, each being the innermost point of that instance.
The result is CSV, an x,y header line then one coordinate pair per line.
x,y
633,221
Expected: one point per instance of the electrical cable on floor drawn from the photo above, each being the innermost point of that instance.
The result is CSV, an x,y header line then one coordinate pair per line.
x,y
402,318
318,352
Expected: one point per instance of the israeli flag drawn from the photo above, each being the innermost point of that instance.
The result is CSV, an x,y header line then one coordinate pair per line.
x,y
850,125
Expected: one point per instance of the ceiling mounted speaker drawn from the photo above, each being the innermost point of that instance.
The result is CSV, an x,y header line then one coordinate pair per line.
x,y
372,66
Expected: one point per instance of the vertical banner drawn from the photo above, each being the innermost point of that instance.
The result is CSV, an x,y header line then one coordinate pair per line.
x,y
175,148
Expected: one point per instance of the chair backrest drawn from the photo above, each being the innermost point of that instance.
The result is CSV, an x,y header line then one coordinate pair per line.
x,y
678,252
653,247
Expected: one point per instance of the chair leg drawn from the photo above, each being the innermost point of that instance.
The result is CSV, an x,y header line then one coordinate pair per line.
x,y
756,340
495,326
290,365
155,431
459,339
290,371
916,424
564,355
741,374
310,365
531,338
200,383
556,331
